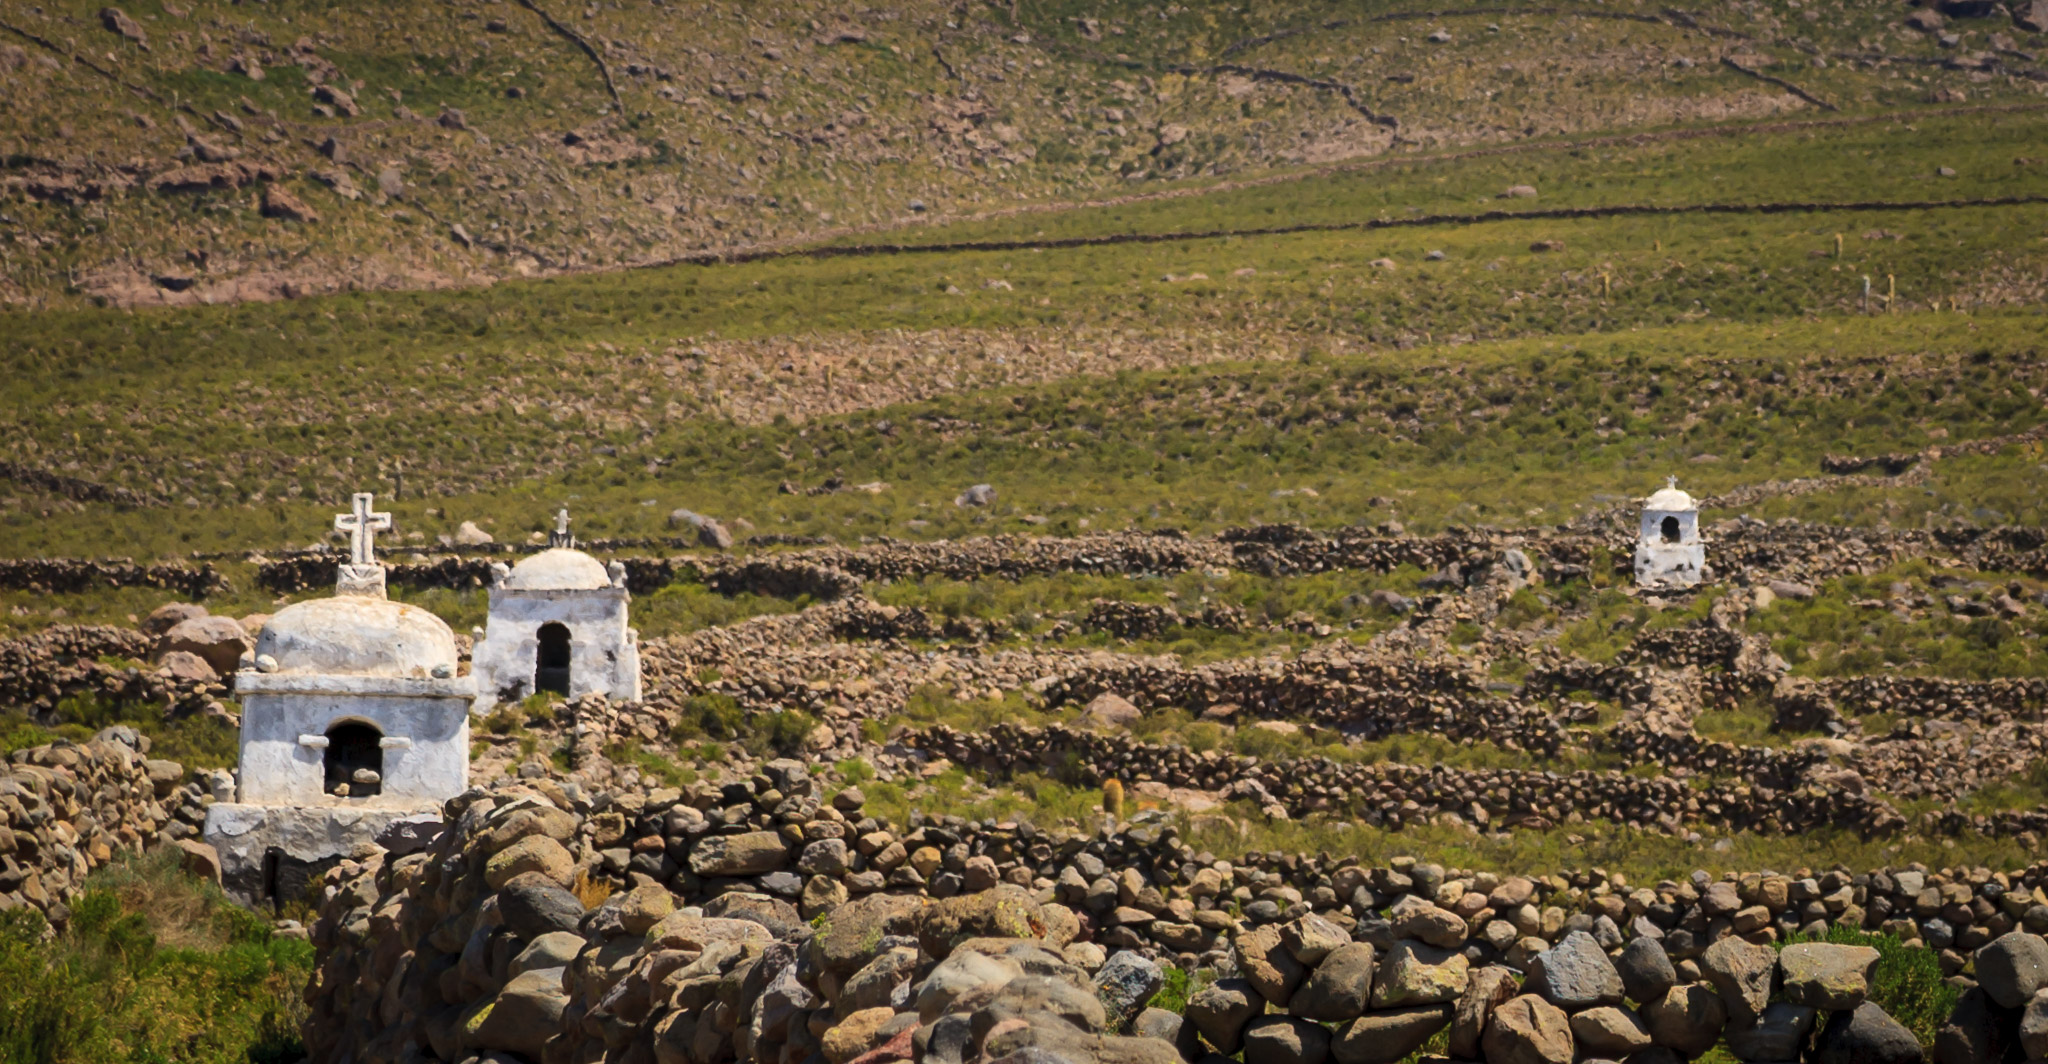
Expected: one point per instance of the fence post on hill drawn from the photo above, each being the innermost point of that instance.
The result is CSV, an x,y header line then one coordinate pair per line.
x,y
1866,293
1891,294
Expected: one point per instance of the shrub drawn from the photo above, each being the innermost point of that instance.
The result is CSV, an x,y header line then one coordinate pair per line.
x,y
1907,984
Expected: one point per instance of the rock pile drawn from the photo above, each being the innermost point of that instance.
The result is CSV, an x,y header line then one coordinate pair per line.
x,y
47,576
39,672
767,920
68,808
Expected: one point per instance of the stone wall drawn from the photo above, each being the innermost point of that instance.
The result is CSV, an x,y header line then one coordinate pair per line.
x,y
68,808
70,575
766,921
39,671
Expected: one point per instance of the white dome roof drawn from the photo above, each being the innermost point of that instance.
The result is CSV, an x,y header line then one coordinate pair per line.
x,y
1670,499
357,635
559,569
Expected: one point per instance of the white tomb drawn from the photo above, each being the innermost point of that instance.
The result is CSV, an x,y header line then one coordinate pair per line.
x,y
1669,551
557,624
354,714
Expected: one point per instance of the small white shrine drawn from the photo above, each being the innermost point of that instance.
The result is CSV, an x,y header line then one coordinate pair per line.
x,y
354,714
1669,551
557,624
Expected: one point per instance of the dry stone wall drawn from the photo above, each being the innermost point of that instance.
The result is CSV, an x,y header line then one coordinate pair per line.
x,y
40,671
71,575
68,808
764,920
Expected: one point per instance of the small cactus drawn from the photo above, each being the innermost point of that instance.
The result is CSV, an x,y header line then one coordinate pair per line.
x,y
1113,798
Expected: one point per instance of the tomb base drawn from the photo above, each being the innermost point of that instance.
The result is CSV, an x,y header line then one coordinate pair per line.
x,y
270,853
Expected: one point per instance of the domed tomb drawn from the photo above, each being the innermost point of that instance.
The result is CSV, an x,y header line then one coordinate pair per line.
x,y
1669,551
557,625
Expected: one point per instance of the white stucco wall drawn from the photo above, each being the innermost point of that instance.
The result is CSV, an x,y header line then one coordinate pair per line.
x,y
604,654
244,835
425,723
1662,564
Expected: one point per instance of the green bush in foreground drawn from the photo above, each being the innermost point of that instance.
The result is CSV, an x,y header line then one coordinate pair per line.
x,y
155,967
1907,983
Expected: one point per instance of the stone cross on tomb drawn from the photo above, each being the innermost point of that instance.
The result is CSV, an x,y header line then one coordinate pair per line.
x,y
361,575
560,537
1671,481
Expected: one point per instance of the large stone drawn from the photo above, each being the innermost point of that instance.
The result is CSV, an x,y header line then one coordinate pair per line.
x,y
534,904
1611,1031
1528,1030
1488,987
855,1035
1645,970
778,916
1220,1011
1686,1018
1285,1040
1264,961
2012,967
1827,976
523,1016
1111,711
2034,1027
1978,1031
964,973
1416,974
1311,938
535,853
1741,972
219,640
1865,1035
1030,993
1008,911
554,949
884,981
1575,974
1340,987
1424,922
1779,1034
748,854
1169,1027
169,616
1388,1036
1126,982
198,859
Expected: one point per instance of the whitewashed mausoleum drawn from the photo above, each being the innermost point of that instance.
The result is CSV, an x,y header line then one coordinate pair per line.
x,y
354,714
1669,551
557,624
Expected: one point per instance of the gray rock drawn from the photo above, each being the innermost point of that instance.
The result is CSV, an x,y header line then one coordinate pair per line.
x,y
1389,1035
1779,1034
1285,1040
825,857
2034,1027
523,1016
1687,1018
1416,974
1264,960
2012,967
1168,1027
748,854
1125,983
1221,1010
1978,1031
533,905
958,974
1311,938
552,950
1645,970
1340,987
1865,1035
1741,972
1574,974
885,981
978,495
1037,993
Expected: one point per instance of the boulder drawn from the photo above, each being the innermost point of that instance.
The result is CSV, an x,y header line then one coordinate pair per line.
x,y
1429,923
2031,16
1285,1040
1111,711
535,853
1528,1030
1825,975
198,859
978,495
555,949
1865,1035
748,854
1574,974
1312,938
2034,1027
1645,970
1978,1031
855,1035
1340,987
1741,972
964,973
524,1015
169,616
218,640
1264,961
1686,1019
1388,1036
2012,967
1611,1031
1220,1011
1416,974
534,904
1779,1034
1488,987
467,534
1169,1027
851,935
1126,982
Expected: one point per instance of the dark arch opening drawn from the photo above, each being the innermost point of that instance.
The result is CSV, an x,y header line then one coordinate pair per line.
x,y
551,660
1670,527
354,759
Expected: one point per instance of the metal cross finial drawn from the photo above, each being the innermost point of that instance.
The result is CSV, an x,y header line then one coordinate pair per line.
x,y
561,536
362,526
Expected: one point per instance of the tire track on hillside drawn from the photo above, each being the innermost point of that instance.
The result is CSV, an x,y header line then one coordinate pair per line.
x,y
1671,17
1626,210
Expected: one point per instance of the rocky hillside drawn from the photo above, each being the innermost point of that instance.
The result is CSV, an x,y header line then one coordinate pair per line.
x,y
215,151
